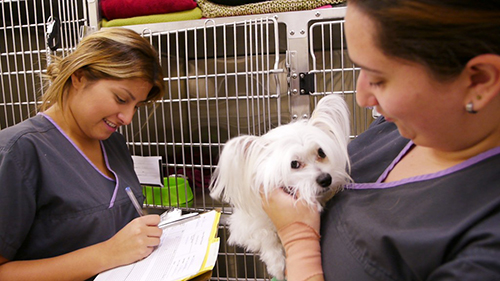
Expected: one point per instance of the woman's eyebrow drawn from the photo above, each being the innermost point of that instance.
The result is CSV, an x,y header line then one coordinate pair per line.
x,y
366,68
131,95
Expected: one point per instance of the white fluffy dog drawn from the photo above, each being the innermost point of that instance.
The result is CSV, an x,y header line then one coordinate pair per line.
x,y
306,158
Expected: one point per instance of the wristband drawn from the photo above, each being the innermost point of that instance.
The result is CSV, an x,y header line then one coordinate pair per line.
x,y
303,251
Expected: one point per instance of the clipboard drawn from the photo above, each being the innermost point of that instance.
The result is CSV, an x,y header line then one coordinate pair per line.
x,y
188,249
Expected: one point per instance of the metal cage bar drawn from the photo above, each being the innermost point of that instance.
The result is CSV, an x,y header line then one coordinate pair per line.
x,y
334,73
24,52
223,77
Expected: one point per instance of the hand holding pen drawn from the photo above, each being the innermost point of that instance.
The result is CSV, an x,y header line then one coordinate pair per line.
x,y
136,240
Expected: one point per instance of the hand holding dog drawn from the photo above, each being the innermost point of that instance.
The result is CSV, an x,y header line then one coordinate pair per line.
x,y
298,228
284,210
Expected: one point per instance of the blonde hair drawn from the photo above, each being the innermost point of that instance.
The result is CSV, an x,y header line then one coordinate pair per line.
x,y
114,53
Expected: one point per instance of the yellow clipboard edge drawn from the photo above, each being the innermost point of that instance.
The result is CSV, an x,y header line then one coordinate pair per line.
x,y
213,239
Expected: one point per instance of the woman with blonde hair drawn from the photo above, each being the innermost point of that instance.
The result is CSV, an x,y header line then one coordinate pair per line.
x,y
65,213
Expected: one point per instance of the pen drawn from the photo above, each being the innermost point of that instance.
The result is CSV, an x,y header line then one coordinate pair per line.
x,y
178,219
134,200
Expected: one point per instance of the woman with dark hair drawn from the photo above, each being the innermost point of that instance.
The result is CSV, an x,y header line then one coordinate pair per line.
x,y
425,199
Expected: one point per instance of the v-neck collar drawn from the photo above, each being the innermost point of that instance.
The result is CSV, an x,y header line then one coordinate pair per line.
x,y
379,184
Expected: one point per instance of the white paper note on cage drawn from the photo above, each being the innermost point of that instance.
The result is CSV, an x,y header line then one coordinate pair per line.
x,y
148,169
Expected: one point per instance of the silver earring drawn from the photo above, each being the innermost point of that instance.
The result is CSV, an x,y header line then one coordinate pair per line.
x,y
470,108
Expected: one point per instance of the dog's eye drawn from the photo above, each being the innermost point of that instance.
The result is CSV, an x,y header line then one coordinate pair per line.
x,y
321,153
295,164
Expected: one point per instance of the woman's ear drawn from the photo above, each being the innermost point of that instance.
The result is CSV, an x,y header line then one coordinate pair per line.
x,y
483,72
78,79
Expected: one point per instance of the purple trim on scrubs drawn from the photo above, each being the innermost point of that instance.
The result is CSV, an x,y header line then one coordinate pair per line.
x,y
395,161
113,198
117,183
380,185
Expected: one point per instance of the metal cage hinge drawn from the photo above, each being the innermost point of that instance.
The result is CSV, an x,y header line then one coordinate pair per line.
x,y
306,86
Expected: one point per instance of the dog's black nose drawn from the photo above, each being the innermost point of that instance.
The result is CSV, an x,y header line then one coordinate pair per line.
x,y
324,180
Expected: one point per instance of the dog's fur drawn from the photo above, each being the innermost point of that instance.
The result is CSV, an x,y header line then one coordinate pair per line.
x,y
307,158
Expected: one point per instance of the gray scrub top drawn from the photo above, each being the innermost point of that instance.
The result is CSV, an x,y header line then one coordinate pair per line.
x,y
440,226
53,199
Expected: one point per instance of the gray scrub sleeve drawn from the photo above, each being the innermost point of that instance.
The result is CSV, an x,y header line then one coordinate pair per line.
x,y
54,200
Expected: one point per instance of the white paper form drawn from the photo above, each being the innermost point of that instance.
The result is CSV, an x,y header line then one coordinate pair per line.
x,y
180,254
148,169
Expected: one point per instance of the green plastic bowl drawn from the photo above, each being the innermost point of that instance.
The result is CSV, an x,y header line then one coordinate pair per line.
x,y
175,192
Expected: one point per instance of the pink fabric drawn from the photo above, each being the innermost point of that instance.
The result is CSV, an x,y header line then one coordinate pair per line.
x,y
119,9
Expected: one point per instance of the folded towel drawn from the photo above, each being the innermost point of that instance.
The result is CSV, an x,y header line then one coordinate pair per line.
x,y
235,2
192,14
119,9
212,10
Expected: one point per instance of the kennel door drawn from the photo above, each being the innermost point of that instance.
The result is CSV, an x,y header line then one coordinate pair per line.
x,y
332,72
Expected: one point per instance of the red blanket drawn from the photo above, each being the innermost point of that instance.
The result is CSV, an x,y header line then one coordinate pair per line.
x,y
119,9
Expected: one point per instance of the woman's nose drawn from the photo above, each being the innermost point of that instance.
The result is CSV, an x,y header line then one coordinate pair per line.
x,y
364,94
126,115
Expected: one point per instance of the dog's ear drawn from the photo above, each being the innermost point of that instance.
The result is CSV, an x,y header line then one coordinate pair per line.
x,y
239,149
234,168
332,114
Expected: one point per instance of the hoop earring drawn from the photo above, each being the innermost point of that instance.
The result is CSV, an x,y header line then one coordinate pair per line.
x,y
470,108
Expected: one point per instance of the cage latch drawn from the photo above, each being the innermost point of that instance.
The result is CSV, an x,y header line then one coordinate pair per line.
x,y
53,36
306,83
